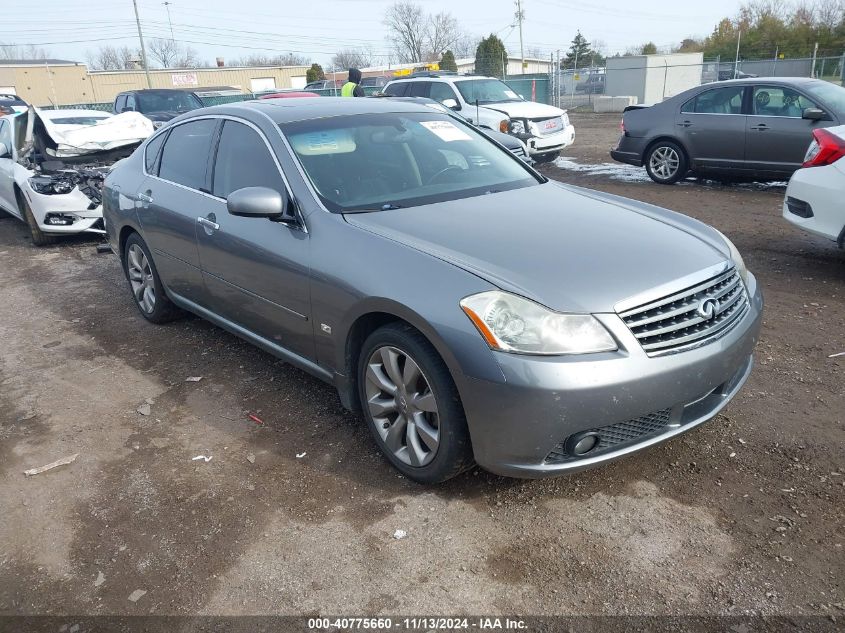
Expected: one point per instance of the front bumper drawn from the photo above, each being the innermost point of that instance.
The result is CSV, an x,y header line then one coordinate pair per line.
x,y
518,427
74,205
820,189
552,142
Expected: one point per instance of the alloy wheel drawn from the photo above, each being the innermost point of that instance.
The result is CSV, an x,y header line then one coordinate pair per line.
x,y
664,162
141,278
402,406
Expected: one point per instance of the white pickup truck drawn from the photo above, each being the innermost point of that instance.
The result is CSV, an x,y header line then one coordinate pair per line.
x,y
491,103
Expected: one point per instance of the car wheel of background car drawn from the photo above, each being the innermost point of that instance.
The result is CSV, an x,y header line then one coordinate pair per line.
x,y
145,283
412,406
39,237
666,163
545,158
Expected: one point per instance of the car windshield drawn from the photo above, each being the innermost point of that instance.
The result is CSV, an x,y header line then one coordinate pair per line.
x,y
378,162
829,94
486,91
175,101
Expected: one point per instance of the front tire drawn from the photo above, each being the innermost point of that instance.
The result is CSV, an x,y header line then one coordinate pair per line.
x,y
39,237
412,406
666,163
147,290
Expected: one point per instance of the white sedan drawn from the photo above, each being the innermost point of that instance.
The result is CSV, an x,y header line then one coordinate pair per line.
x,y
814,197
53,163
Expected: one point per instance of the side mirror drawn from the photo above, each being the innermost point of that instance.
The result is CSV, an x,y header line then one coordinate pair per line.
x,y
258,202
451,104
814,114
4,151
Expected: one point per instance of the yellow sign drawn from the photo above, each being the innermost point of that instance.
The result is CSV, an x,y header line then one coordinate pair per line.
x,y
577,77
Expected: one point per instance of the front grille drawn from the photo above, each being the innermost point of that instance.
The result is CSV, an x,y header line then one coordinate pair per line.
x,y
681,321
541,123
615,436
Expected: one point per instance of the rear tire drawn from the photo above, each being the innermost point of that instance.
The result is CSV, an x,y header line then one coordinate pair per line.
x,y
666,163
147,290
412,406
39,237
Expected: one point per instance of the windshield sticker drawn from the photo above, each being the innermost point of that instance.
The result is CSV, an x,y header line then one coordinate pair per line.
x,y
510,94
446,130
323,142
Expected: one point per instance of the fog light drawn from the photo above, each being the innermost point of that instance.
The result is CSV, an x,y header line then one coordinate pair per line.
x,y
583,443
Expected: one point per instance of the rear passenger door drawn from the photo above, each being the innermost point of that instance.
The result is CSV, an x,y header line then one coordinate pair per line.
x,y
256,270
711,126
176,187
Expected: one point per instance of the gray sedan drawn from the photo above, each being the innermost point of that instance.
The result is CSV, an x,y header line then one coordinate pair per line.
x,y
746,128
471,309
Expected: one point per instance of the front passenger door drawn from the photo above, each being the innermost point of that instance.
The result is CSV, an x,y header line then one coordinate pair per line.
x,y
256,270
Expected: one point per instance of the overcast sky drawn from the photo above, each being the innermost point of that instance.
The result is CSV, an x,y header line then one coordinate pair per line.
x,y
317,28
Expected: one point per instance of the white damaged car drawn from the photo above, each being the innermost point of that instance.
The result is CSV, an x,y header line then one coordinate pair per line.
x,y
53,163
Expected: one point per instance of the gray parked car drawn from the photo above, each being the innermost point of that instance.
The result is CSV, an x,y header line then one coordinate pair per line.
x,y
471,308
747,128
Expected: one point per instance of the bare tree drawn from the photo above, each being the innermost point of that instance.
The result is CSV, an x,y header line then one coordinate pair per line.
x,y
407,30
15,51
443,31
163,52
465,46
352,58
284,59
113,58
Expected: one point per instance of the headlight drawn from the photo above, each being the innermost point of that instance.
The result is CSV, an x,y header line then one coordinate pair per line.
x,y
737,259
565,119
517,127
48,186
512,324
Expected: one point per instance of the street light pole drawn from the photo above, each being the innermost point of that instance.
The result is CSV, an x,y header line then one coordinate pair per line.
x,y
143,50
736,59
167,8
519,17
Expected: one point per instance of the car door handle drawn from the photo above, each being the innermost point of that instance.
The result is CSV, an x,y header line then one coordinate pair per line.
x,y
209,224
146,199
760,128
685,124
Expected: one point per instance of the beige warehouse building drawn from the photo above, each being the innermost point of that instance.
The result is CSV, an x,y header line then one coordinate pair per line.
x,y
62,82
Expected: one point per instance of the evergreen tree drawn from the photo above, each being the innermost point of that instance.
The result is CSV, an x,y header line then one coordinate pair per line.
x,y
649,48
491,58
579,49
448,62
315,73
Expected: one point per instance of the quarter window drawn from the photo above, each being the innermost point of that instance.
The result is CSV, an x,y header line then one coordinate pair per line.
x,y
726,100
185,154
152,152
243,160
779,101
121,101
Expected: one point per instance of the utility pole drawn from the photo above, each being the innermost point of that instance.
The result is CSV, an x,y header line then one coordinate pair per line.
x,y
167,8
143,50
520,15
736,59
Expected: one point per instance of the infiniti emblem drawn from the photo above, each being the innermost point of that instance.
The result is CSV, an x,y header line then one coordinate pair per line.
x,y
708,308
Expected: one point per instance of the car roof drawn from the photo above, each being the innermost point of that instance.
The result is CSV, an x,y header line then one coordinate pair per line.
x,y
444,77
767,80
306,108
152,90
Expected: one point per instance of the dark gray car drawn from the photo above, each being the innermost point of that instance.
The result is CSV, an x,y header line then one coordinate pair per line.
x,y
747,128
472,309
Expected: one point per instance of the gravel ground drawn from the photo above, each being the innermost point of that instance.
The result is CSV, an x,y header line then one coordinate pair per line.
x,y
295,511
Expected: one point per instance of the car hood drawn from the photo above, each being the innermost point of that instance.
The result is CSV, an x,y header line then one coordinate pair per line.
x,y
570,249
163,115
525,109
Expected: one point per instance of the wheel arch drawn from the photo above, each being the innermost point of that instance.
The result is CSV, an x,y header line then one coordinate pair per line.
x,y
671,139
365,320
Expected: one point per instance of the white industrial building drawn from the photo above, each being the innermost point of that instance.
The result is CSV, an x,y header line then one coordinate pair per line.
x,y
653,78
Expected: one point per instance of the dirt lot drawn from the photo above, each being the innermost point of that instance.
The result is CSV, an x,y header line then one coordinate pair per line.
x,y
297,514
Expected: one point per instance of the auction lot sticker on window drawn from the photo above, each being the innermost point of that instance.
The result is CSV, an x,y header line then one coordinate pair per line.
x,y
446,130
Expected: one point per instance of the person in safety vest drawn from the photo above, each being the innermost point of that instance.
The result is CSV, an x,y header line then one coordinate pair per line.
x,y
352,88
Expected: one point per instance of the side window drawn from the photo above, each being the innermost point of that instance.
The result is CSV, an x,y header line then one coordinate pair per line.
x,y
185,153
152,152
779,101
119,103
397,89
130,102
243,160
440,92
726,100
420,88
